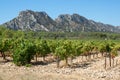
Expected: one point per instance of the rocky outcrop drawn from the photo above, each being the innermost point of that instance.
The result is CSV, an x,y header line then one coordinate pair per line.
x,y
30,20
76,22
40,21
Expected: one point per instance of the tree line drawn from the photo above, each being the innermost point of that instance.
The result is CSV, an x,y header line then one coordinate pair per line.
x,y
4,32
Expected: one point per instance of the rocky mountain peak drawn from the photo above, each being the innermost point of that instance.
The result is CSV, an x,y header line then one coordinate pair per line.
x,y
30,12
30,20
79,19
41,21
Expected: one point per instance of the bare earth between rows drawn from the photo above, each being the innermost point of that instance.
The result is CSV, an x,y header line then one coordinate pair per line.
x,y
90,70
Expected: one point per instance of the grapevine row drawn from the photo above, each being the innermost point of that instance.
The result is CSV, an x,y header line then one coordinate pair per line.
x,y
23,50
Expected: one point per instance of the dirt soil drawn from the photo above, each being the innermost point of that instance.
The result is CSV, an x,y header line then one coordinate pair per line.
x,y
90,70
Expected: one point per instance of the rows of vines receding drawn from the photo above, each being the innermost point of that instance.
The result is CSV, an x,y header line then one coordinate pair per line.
x,y
22,51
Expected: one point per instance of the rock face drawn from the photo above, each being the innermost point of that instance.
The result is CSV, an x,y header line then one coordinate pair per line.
x,y
40,21
30,20
76,22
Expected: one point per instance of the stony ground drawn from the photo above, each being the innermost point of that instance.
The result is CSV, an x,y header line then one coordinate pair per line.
x,y
92,70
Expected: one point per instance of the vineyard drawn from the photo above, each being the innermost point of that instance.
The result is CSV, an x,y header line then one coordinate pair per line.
x,y
24,51
56,56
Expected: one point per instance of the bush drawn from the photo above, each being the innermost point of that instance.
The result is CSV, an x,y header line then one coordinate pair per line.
x,y
23,54
19,57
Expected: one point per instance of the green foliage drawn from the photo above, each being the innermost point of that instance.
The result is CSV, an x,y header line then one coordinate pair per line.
x,y
5,45
87,47
60,51
25,45
114,51
24,53
42,48
8,33
77,48
52,45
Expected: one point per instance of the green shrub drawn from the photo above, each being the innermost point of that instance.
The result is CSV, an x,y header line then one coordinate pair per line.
x,y
24,53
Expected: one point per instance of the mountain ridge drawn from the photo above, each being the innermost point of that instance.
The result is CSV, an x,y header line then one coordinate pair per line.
x,y
41,21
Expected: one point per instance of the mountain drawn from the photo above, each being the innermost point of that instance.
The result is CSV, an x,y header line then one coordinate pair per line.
x,y
76,22
41,21
30,20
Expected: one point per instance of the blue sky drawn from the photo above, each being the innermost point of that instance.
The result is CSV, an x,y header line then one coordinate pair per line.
x,y
106,11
